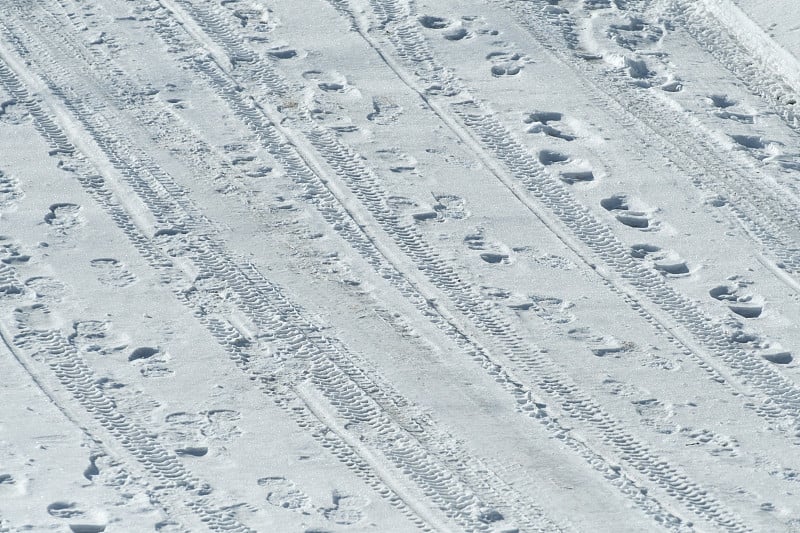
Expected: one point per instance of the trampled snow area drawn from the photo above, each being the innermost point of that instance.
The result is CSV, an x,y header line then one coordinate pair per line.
x,y
393,265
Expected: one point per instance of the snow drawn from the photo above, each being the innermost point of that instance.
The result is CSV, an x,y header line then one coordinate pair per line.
x,y
399,265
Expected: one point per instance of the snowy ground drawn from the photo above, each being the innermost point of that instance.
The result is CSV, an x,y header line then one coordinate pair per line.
x,y
399,265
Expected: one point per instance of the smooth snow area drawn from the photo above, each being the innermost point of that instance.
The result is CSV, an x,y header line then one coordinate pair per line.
x,y
396,266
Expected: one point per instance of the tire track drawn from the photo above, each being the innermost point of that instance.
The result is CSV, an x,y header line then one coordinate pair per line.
x,y
94,184
52,349
490,134
493,368
327,146
769,217
296,338
759,72
714,341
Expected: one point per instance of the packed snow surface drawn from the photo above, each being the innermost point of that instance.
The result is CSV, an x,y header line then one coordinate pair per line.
x,y
399,265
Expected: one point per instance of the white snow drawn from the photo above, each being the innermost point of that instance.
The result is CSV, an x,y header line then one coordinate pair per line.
x,y
399,265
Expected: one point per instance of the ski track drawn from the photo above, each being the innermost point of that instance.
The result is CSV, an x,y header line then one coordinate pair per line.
x,y
417,468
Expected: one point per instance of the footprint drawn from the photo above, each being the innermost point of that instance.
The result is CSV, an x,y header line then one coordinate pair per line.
x,y
334,82
192,451
638,70
754,142
456,33
64,217
634,67
36,317
551,157
396,161
144,352
62,509
332,115
721,101
640,251
777,356
384,111
554,310
620,205
282,53
505,63
331,86
493,254
717,444
252,18
634,34
96,336
168,526
767,151
112,273
450,206
346,510
433,23
655,414
153,362
46,289
10,190
672,84
402,205
671,266
331,82
220,424
426,215
68,510
87,528
738,117
398,204
453,30
495,258
747,310
746,305
282,492
12,113
496,293
475,241
723,293
182,430
609,345
173,241
573,177
543,258
666,262
92,471
592,5
540,124
11,253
